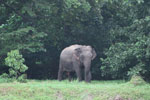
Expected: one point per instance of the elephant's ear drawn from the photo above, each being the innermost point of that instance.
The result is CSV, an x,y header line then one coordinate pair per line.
x,y
93,53
77,53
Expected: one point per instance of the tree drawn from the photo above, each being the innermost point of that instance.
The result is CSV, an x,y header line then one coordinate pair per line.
x,y
128,53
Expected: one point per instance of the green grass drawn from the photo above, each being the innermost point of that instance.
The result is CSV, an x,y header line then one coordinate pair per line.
x,y
54,90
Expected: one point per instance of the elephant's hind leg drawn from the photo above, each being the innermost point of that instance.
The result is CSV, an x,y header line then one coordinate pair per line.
x,y
69,76
60,72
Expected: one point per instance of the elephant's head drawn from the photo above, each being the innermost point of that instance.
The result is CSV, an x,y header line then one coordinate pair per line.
x,y
83,52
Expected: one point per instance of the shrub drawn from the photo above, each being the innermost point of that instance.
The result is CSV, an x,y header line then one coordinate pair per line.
x,y
137,80
16,67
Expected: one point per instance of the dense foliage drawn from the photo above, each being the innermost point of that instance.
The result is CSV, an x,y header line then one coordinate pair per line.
x,y
129,52
40,29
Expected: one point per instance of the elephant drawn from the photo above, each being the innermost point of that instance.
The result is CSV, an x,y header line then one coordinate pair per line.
x,y
73,58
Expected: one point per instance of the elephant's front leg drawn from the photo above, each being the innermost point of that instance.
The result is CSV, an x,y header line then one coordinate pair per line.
x,y
87,72
88,75
77,70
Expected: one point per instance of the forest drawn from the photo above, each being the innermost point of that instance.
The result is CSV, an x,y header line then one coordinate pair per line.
x,y
34,32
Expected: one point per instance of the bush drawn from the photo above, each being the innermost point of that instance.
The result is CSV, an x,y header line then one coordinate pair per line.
x,y
4,78
22,78
16,67
137,80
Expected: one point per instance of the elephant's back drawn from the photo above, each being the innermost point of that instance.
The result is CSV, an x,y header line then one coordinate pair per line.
x,y
68,51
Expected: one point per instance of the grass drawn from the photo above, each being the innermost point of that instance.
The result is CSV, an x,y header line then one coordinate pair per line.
x,y
54,90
